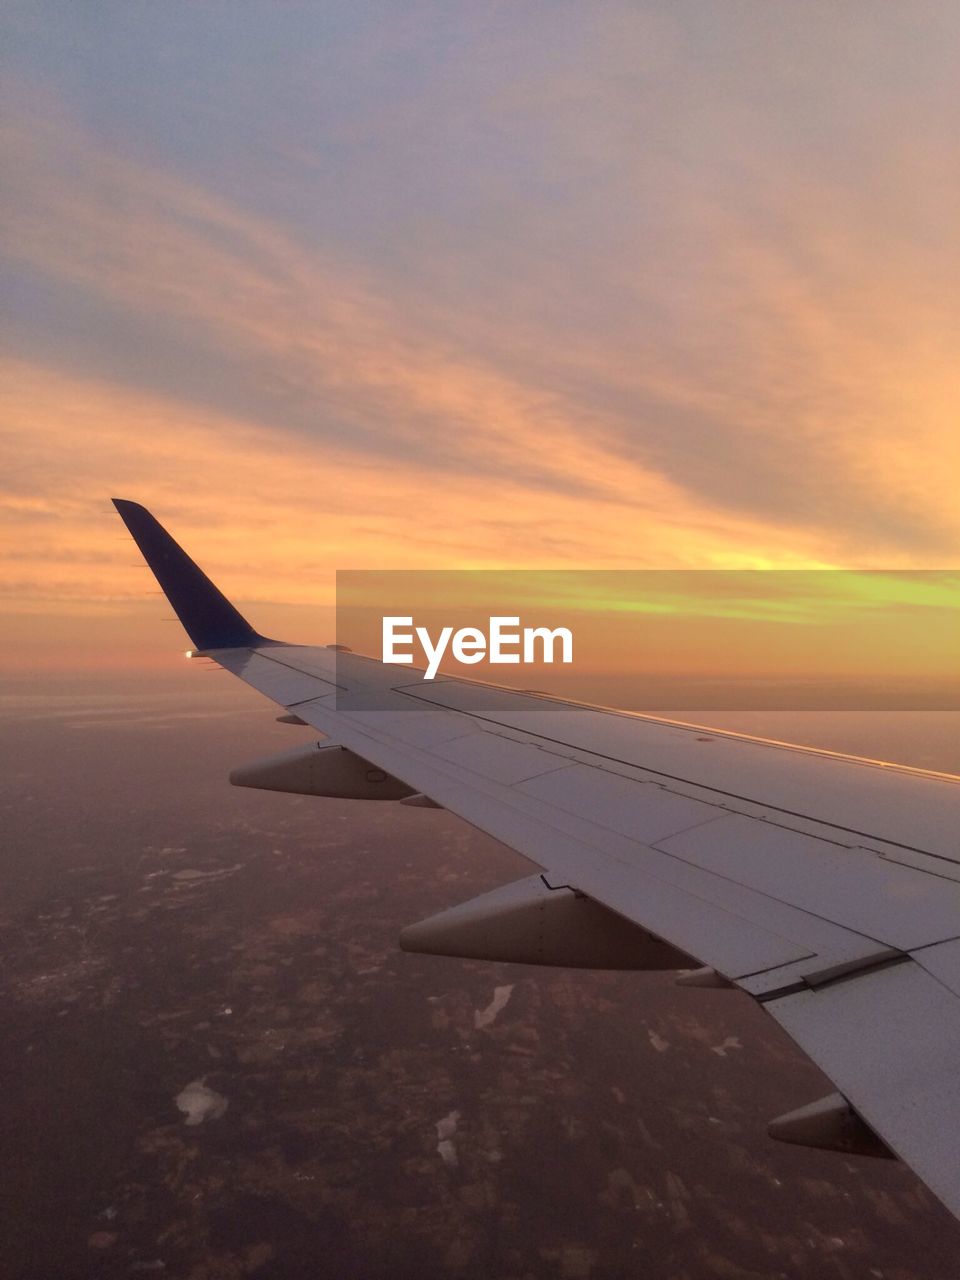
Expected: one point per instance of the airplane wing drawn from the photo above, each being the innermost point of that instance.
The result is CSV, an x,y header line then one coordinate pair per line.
x,y
824,886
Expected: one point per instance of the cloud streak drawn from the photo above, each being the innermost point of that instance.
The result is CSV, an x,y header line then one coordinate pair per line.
x,y
621,306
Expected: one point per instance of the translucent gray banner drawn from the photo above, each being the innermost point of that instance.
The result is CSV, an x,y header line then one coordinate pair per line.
x,y
654,639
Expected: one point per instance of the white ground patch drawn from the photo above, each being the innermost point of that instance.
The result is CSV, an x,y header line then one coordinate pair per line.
x,y
191,876
486,1017
198,1103
446,1128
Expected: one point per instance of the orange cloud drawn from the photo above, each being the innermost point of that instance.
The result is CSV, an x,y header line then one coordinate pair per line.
x,y
441,458
154,243
280,521
817,391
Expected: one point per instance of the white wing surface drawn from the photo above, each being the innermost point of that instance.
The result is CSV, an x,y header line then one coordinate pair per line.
x,y
826,887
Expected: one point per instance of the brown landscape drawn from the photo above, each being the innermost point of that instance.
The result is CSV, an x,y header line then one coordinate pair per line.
x,y
216,1062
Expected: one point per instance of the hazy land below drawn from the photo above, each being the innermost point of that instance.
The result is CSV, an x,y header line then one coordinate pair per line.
x,y
359,1112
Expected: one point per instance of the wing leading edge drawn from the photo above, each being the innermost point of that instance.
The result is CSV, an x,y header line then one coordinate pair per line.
x,y
826,887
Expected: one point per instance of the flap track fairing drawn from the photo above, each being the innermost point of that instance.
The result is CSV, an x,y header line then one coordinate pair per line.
x,y
321,769
529,922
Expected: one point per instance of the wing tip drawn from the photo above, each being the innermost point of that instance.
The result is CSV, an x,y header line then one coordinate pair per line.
x,y
208,617
125,504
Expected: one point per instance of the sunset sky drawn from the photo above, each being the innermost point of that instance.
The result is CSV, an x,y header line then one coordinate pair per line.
x,y
349,285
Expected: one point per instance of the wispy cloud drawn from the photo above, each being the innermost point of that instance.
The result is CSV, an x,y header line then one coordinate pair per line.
x,y
625,316
329,358
275,522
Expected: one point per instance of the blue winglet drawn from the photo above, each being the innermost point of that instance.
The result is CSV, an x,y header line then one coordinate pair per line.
x,y
208,617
